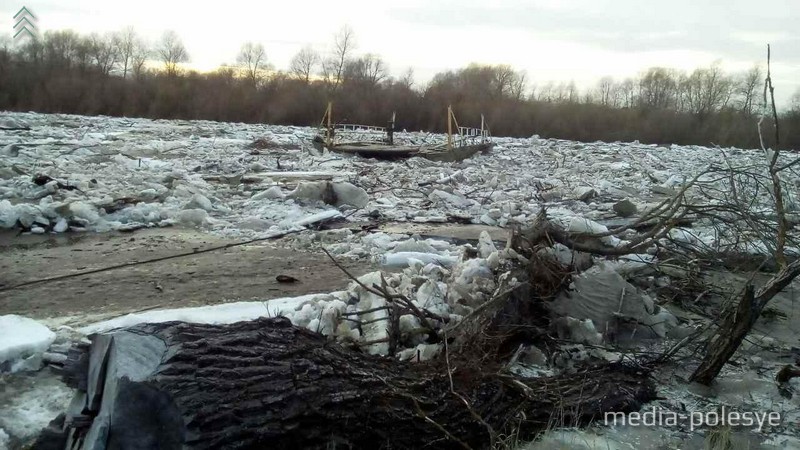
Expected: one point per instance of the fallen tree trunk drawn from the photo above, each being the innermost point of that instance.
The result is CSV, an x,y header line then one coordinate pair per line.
x,y
736,324
738,321
266,383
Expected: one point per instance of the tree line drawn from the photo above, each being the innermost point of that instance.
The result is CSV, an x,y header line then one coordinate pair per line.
x,y
121,74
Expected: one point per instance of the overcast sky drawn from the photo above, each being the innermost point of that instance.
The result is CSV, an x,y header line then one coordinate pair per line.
x,y
553,40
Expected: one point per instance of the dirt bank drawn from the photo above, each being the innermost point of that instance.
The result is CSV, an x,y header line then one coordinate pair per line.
x,y
239,273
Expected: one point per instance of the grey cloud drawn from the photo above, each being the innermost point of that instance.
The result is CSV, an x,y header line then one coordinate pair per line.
x,y
636,25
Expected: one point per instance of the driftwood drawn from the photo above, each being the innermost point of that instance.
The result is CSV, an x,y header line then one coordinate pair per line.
x,y
737,321
268,384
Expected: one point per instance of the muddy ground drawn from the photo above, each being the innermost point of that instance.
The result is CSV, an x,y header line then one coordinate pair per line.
x,y
235,274
238,273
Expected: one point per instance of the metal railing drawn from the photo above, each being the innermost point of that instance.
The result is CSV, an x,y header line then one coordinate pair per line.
x,y
457,136
347,132
471,136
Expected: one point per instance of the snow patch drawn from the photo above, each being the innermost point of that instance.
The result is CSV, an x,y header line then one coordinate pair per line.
x,y
215,314
22,342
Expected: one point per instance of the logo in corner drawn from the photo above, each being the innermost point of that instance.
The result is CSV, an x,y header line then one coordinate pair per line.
x,y
24,19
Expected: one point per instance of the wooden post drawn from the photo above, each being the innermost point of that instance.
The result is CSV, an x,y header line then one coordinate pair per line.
x,y
329,134
483,133
390,131
449,127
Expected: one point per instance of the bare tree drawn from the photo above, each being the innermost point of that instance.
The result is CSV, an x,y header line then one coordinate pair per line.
x,y
546,92
343,46
62,49
658,88
533,91
5,42
518,85
507,82
627,93
104,52
794,102
554,92
747,89
504,78
252,58
83,53
368,69
32,50
139,54
227,74
126,41
605,91
304,63
172,52
706,90
407,79
571,92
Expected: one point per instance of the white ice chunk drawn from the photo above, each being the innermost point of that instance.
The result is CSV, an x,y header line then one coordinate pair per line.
x,y
376,330
8,214
456,200
193,217
413,245
585,193
273,193
21,338
585,226
473,268
421,352
381,241
402,259
61,226
84,211
350,194
331,313
319,217
338,193
485,244
431,293
199,201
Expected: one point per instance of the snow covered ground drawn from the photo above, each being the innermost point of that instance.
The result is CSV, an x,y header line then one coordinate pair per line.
x,y
97,174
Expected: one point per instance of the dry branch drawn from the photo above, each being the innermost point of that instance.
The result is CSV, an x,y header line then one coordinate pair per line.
x,y
739,319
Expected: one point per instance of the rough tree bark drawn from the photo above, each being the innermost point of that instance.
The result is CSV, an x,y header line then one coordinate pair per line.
x,y
738,322
735,326
266,383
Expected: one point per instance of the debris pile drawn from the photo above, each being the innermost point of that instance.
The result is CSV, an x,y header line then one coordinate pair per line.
x,y
616,256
